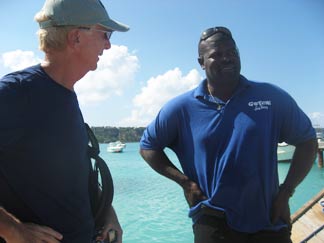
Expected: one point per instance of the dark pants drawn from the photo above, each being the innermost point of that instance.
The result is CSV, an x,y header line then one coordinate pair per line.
x,y
211,229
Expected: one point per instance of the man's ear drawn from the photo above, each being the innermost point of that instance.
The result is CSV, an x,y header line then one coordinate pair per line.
x,y
73,38
201,62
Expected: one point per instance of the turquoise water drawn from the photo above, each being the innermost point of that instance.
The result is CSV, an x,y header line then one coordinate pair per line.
x,y
152,208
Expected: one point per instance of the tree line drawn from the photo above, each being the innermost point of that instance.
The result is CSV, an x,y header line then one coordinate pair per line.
x,y
127,134
123,134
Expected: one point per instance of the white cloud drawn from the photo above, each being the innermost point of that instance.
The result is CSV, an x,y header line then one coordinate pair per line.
x,y
116,70
157,92
18,59
317,119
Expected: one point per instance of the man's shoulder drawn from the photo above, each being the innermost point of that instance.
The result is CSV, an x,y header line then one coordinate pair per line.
x,y
14,88
176,105
21,76
266,88
261,84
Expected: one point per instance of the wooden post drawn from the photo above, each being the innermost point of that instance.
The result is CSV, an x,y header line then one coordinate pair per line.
x,y
320,158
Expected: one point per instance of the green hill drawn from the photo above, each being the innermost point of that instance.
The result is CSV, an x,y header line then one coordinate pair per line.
x,y
123,134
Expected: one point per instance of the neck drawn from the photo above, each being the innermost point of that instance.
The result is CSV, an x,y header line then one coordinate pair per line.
x,y
223,92
62,70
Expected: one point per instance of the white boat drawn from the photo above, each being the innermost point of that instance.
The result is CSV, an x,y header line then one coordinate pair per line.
x,y
320,139
283,144
119,143
319,135
285,152
116,147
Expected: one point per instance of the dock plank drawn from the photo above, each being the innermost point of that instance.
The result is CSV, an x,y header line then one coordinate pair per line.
x,y
308,220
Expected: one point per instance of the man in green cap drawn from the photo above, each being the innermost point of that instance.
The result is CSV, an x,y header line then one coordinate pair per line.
x,y
44,162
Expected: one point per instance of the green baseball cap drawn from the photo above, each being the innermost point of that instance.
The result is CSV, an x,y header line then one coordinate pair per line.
x,y
78,12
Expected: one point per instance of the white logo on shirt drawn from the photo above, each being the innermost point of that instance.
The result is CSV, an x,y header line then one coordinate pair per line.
x,y
260,105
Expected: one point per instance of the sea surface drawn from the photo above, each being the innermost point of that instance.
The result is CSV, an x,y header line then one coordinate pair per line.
x,y
152,209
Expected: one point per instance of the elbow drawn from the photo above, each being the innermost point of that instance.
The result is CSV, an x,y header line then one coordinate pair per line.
x,y
142,152
145,153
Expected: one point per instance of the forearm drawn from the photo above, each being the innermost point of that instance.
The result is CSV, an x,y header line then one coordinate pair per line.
x,y
161,164
12,230
112,216
302,162
112,229
159,161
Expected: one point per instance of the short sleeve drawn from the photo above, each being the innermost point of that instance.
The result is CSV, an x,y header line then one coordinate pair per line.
x,y
12,112
296,126
163,130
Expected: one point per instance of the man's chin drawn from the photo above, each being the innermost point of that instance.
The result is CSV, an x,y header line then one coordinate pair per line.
x,y
230,75
93,68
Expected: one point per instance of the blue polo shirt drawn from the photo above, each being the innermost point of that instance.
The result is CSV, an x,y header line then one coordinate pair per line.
x,y
43,154
231,152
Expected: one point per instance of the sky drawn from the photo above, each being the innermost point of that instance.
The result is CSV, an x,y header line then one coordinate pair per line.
x,y
280,42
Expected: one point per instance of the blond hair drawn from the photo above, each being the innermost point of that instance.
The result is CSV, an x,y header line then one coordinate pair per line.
x,y
52,38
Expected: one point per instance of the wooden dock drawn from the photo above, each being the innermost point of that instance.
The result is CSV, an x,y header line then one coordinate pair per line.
x,y
308,221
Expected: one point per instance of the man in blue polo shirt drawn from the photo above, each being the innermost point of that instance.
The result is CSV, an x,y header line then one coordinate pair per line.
x,y
225,134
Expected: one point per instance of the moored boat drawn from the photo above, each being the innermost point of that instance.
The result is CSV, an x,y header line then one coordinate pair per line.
x,y
116,147
283,144
285,152
320,139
